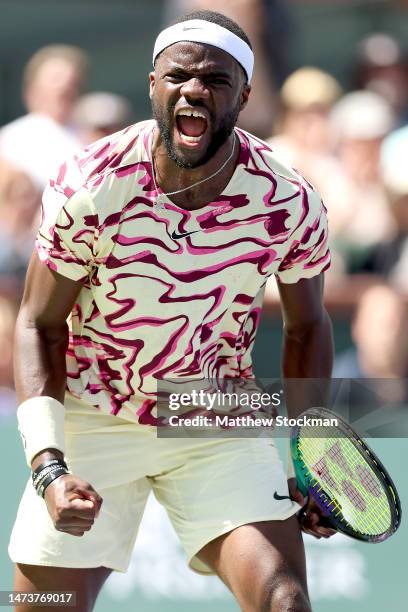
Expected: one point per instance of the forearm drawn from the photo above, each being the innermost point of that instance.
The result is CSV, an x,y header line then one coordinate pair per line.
x,y
40,368
308,355
308,350
39,359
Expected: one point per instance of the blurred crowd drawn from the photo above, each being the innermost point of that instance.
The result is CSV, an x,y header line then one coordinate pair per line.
x,y
350,144
60,119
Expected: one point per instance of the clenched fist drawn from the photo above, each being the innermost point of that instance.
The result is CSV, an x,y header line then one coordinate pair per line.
x,y
73,504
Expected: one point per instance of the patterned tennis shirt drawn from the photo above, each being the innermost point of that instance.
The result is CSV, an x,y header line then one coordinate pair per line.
x,y
167,292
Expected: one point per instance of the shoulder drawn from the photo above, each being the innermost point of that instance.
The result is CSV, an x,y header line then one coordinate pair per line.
x,y
90,167
113,152
268,172
29,131
17,126
85,185
31,125
260,155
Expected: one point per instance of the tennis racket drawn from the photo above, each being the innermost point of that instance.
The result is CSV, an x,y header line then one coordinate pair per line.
x,y
346,479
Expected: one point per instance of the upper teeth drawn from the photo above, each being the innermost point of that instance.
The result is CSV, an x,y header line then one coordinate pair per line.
x,y
191,113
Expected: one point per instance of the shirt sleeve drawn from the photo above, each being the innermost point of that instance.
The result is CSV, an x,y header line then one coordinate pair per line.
x,y
66,240
308,253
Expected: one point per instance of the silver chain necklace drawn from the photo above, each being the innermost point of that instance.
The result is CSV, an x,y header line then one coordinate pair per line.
x,y
170,193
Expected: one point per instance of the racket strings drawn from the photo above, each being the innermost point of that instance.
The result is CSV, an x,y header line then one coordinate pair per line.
x,y
373,524
376,528
337,470
336,510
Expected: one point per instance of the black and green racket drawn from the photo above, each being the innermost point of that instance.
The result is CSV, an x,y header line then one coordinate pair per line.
x,y
350,485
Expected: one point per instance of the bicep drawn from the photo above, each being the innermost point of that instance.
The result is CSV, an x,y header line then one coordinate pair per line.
x,y
302,302
48,296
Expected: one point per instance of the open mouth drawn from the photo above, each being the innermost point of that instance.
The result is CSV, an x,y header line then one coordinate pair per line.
x,y
191,125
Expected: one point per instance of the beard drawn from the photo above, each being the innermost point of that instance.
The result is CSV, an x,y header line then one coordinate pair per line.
x,y
217,138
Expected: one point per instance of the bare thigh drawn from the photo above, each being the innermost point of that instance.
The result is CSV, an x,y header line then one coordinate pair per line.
x,y
263,564
86,582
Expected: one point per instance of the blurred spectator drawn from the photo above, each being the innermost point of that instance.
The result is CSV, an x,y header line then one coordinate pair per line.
x,y
380,336
19,218
304,138
268,26
8,315
358,208
390,258
99,114
382,67
39,141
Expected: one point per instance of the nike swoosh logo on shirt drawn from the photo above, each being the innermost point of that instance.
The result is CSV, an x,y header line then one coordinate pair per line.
x,y
175,236
280,497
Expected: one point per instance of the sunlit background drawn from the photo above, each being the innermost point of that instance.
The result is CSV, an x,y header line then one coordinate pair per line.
x,y
330,93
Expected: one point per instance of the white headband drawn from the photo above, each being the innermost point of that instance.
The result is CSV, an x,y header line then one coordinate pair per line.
x,y
198,30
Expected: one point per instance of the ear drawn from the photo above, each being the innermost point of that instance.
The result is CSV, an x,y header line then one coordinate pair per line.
x,y
246,90
152,82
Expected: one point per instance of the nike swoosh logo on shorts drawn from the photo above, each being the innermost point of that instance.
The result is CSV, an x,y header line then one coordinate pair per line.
x,y
280,497
174,234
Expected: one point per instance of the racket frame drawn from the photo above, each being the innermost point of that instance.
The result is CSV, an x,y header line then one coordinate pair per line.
x,y
309,485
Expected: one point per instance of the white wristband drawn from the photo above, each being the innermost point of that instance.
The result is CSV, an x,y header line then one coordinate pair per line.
x,y
291,468
41,425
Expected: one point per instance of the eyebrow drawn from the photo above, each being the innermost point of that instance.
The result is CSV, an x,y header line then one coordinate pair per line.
x,y
214,73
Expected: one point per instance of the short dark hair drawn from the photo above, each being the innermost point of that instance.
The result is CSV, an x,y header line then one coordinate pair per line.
x,y
219,19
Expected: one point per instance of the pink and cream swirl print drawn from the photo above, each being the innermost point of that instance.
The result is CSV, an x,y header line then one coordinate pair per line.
x,y
171,293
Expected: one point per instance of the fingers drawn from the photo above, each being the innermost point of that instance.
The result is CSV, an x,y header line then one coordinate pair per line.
x,y
73,505
68,522
295,493
298,497
89,497
79,514
83,508
74,528
78,532
76,523
314,522
311,525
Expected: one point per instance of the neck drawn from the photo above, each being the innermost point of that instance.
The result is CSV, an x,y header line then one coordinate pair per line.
x,y
170,177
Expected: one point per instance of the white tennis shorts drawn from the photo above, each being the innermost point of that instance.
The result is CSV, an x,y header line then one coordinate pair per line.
x,y
208,487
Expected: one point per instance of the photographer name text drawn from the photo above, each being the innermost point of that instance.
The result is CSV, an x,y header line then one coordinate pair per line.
x,y
249,421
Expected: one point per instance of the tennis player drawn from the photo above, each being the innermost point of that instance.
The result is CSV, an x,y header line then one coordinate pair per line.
x,y
155,244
